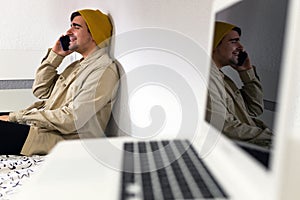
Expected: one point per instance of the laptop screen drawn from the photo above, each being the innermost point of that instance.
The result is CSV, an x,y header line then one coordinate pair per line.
x,y
262,25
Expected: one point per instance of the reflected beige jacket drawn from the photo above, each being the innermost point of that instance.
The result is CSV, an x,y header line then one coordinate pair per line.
x,y
74,104
234,110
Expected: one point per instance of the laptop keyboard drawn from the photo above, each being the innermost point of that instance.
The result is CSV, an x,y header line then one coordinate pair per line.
x,y
166,170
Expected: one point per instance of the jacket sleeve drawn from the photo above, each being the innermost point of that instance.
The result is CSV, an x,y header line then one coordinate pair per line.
x,y
252,92
46,75
45,78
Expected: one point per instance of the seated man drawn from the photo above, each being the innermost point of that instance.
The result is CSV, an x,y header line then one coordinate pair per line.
x,y
230,109
74,104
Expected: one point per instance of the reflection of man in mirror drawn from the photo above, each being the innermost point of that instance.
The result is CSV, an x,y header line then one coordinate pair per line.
x,y
229,108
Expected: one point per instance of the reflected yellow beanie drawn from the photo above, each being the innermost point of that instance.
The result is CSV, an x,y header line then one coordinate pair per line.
x,y
98,23
221,29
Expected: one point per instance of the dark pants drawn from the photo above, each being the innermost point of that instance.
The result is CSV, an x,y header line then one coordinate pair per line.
x,y
12,137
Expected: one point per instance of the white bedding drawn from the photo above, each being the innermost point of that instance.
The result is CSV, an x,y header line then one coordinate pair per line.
x,y
14,171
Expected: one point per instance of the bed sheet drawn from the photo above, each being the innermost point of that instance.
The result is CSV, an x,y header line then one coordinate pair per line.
x,y
15,171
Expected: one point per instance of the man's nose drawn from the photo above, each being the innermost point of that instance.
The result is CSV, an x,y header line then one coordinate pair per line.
x,y
69,31
240,47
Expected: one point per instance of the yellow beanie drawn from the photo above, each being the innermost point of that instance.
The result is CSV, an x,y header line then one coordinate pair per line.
x,y
98,23
221,29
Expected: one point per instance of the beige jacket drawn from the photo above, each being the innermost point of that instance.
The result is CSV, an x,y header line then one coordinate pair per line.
x,y
74,104
234,110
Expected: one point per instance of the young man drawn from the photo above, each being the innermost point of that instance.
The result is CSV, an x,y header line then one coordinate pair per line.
x,y
230,109
74,104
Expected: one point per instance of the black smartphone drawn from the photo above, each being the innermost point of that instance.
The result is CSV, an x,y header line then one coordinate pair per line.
x,y
242,57
65,42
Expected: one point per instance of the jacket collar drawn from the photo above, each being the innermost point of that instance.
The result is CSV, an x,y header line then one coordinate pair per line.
x,y
93,56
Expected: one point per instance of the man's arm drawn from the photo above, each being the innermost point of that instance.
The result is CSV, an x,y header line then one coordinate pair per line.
x,y
4,117
218,114
252,92
93,95
46,75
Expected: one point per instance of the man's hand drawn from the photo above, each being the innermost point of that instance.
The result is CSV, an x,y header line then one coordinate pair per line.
x,y
59,50
246,66
4,117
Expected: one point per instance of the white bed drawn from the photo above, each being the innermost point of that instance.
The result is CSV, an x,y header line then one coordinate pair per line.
x,y
15,171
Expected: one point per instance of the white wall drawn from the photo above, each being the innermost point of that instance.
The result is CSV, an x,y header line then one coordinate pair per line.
x,y
177,24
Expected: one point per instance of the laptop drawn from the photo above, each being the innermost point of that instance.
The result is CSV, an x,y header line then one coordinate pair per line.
x,y
106,168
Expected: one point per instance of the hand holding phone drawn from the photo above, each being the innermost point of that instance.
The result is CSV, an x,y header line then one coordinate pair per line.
x,y
65,42
242,57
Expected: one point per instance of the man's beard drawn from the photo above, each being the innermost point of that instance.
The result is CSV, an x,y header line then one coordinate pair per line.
x,y
73,47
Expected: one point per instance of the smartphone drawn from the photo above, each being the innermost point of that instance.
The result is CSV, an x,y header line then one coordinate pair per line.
x,y
242,57
65,42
